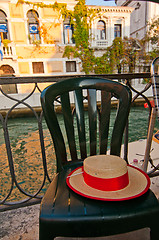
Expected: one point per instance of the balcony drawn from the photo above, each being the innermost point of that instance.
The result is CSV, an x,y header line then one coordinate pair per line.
x,y
9,51
100,44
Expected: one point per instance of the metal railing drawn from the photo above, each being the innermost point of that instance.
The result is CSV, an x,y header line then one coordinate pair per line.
x,y
28,197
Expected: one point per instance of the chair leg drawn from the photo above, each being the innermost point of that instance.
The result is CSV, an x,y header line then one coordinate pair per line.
x,y
45,236
45,233
154,233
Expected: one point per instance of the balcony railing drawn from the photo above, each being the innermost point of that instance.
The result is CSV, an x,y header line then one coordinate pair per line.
x,y
100,44
14,157
9,51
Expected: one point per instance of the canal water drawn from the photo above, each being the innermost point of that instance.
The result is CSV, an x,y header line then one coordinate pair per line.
x,y
24,138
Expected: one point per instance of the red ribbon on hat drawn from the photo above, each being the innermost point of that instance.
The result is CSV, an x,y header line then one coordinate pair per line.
x,y
106,184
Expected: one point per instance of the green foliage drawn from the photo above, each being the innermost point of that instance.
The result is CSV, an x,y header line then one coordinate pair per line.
x,y
123,52
152,36
116,53
81,19
60,7
132,48
154,53
81,33
102,64
153,31
71,52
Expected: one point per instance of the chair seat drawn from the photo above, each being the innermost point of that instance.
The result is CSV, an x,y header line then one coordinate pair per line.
x,y
65,213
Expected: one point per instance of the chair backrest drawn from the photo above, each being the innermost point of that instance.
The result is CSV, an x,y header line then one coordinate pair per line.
x,y
85,130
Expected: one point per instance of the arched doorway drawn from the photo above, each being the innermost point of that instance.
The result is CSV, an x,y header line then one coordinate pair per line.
x,y
6,70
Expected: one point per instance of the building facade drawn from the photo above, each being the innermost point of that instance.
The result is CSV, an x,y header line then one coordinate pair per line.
x,y
144,12
26,51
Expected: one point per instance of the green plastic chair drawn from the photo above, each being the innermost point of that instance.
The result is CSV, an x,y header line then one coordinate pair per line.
x,y
63,212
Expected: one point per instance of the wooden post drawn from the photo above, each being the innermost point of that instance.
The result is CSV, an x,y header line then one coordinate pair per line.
x,y
149,139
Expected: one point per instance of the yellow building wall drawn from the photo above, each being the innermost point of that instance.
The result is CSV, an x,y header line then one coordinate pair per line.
x,y
42,86
23,67
16,11
35,52
50,13
55,66
50,21
28,88
51,32
19,33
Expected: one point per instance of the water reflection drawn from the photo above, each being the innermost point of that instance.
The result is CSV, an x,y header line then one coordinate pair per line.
x,y
25,144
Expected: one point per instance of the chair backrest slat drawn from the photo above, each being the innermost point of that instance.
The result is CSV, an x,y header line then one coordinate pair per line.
x,y
54,127
104,116
92,113
68,121
78,96
118,129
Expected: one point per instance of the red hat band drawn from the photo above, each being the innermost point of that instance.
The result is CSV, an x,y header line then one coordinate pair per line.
x,y
106,184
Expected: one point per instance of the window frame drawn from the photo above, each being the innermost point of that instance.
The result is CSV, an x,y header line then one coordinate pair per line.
x,y
33,26
117,31
68,31
35,67
71,64
101,30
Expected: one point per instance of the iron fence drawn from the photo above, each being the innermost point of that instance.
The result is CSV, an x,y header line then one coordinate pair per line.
x,y
11,185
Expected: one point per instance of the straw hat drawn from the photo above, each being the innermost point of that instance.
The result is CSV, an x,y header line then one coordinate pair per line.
x,y
108,178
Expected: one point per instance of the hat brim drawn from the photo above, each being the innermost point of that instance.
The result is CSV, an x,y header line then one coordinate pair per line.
x,y
139,184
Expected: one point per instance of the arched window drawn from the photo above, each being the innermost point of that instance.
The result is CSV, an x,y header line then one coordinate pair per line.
x,y
101,30
68,32
3,26
7,70
33,26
